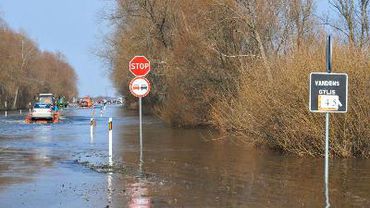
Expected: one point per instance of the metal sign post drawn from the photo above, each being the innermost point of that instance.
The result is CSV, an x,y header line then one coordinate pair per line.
x,y
327,127
140,87
328,94
141,132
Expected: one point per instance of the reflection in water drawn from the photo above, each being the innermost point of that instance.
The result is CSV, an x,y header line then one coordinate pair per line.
x,y
18,165
43,132
139,191
91,134
110,188
193,173
327,195
139,195
44,135
141,161
91,138
141,173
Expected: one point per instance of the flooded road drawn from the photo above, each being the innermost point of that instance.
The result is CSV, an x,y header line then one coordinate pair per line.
x,y
60,165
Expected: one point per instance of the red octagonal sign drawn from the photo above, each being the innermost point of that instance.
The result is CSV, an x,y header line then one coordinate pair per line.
x,y
139,66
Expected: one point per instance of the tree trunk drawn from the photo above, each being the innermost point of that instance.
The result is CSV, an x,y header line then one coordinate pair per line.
x,y
15,98
263,55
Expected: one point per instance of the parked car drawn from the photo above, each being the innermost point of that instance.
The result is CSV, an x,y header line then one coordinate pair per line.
x,y
42,111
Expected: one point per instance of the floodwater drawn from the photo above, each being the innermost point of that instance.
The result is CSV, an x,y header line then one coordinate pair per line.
x,y
61,165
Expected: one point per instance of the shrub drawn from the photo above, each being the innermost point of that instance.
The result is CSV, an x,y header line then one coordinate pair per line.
x,y
276,113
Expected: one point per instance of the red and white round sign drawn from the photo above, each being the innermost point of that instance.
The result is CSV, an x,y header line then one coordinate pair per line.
x,y
139,66
139,87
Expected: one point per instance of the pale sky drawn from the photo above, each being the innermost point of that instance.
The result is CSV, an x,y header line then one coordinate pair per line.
x,y
73,27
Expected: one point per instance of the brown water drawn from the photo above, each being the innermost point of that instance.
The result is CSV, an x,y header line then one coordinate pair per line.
x,y
59,165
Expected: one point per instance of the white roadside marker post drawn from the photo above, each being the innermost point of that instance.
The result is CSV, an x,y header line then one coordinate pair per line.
x,y
110,127
92,121
92,125
6,108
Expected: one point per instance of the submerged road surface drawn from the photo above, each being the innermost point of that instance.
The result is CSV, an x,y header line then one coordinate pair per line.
x,y
61,165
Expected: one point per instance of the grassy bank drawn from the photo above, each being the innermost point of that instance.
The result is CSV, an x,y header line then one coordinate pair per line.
x,y
276,113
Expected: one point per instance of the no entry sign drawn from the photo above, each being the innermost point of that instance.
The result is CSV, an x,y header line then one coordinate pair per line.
x,y
139,87
139,66
328,92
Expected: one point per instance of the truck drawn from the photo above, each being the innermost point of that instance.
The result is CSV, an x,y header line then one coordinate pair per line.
x,y
46,98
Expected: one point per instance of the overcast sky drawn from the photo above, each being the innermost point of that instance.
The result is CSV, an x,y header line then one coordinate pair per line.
x,y
73,27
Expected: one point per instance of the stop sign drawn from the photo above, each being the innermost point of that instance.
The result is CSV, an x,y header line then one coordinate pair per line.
x,y
139,66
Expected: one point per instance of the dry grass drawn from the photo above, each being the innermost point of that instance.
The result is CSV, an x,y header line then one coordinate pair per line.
x,y
277,114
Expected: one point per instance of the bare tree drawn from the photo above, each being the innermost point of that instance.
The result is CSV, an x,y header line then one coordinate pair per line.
x,y
25,70
301,14
346,9
356,21
364,19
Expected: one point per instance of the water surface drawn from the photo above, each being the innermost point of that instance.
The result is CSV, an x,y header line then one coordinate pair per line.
x,y
60,165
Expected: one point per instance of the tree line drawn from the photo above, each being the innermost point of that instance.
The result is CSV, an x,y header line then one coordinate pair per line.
x,y
242,67
26,71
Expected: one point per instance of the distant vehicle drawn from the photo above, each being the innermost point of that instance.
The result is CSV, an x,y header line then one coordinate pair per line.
x,y
119,100
86,102
47,98
62,102
42,111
